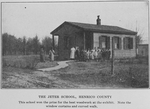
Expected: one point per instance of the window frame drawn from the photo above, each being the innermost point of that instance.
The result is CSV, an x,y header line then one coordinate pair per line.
x,y
128,43
119,43
107,44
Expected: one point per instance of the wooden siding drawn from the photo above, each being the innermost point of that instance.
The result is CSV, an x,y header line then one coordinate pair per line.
x,y
120,53
89,40
76,35
75,39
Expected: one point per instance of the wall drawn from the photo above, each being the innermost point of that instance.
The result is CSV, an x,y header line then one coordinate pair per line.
x,y
75,40
88,40
96,41
121,53
143,50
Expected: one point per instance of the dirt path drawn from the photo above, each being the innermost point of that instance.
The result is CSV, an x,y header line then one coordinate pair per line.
x,y
61,64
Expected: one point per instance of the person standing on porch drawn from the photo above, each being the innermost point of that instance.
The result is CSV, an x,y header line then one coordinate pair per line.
x,y
95,54
88,54
72,53
99,54
77,54
92,54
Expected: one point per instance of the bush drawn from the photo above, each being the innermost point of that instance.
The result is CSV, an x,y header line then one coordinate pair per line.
x,y
29,61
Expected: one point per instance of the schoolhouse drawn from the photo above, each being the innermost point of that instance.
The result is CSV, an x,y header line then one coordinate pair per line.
x,y
89,36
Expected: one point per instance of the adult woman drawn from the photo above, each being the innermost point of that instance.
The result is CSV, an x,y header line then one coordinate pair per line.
x,y
77,54
42,54
51,54
72,53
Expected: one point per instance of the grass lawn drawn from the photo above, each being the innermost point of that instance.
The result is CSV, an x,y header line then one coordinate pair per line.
x,y
79,75
98,75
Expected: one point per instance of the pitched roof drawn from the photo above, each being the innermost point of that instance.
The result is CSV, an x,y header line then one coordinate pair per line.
x,y
99,28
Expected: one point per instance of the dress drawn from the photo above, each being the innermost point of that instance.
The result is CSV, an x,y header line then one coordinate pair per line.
x,y
88,54
77,54
92,54
95,54
51,53
99,54
72,54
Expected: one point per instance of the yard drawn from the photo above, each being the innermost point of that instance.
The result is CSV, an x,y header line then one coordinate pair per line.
x,y
128,74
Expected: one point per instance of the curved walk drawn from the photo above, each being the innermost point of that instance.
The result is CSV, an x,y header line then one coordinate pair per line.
x,y
61,64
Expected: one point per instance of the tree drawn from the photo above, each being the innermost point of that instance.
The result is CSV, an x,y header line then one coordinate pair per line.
x,y
29,46
12,45
19,46
139,36
32,45
4,43
139,39
24,45
47,43
9,44
36,45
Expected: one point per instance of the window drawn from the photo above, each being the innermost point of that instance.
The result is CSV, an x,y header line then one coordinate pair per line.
x,y
117,43
104,42
66,42
128,43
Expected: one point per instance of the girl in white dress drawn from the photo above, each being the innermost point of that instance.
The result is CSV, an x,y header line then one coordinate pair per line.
x,y
88,55
92,54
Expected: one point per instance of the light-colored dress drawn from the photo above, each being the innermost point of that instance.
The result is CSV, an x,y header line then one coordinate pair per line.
x,y
51,52
95,54
92,54
72,54
88,54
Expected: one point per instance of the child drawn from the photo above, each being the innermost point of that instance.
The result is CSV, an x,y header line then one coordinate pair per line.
x,y
92,54
88,55
95,54
98,54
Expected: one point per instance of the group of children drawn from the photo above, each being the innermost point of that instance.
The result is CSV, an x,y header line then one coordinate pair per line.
x,y
96,54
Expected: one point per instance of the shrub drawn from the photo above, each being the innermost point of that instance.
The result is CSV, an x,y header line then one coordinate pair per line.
x,y
29,61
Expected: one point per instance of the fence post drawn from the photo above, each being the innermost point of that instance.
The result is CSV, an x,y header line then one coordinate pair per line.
x,y
112,60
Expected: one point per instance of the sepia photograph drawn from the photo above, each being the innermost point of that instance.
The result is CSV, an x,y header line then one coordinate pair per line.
x,y
75,45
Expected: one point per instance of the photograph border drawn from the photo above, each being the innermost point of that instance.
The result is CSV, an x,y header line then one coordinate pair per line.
x,y
72,88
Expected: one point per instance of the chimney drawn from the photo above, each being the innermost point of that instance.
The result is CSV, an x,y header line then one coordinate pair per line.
x,y
98,21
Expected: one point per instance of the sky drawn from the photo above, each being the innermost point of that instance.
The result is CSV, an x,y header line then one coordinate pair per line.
x,y
31,19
